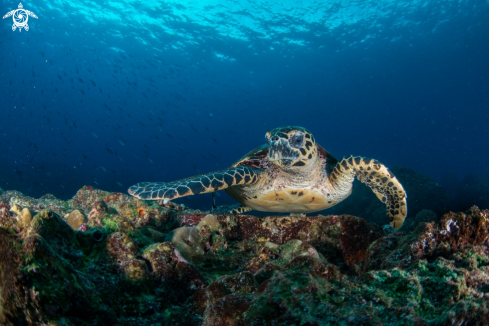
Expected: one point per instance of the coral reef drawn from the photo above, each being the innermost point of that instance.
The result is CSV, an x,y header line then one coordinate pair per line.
x,y
76,219
187,240
109,259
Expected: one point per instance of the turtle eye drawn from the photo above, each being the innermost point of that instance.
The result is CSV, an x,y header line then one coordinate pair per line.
x,y
296,141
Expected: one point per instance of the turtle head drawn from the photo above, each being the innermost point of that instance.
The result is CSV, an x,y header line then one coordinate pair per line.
x,y
291,147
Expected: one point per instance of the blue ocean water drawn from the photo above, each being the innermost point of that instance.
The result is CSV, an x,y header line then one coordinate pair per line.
x,y
111,93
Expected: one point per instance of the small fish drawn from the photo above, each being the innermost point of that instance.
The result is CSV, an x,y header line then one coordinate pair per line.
x,y
121,142
119,184
94,134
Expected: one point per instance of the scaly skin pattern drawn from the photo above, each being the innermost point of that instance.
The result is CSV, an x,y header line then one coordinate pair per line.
x,y
291,173
199,184
378,177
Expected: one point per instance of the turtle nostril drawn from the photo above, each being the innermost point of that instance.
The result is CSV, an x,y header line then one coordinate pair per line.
x,y
274,138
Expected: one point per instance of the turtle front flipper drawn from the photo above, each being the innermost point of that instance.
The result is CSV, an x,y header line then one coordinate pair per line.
x,y
10,13
235,209
378,177
199,184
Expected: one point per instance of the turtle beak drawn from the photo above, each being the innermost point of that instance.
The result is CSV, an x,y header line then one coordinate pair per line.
x,y
280,153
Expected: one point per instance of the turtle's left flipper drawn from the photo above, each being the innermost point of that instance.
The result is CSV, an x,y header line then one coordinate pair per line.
x,y
382,182
199,184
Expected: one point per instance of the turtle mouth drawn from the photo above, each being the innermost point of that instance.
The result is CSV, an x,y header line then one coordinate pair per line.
x,y
282,162
280,153
277,157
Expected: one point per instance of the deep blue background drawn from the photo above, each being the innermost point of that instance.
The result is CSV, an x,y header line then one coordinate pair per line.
x,y
113,93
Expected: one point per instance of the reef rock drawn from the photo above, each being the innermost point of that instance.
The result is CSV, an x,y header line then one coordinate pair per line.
x,y
121,261
47,201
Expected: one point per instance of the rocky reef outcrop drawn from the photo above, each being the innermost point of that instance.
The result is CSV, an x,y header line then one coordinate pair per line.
x,y
109,259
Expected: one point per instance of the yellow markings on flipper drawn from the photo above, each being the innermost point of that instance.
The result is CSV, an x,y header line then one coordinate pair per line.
x,y
382,182
241,209
379,195
195,185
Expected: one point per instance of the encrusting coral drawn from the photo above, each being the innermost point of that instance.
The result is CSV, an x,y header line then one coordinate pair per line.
x,y
76,219
187,240
116,260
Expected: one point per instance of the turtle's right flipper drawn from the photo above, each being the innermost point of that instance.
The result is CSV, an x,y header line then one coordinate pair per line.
x,y
241,209
235,209
195,185
10,13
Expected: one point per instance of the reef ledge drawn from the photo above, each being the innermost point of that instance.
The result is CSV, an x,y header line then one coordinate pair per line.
x,y
105,258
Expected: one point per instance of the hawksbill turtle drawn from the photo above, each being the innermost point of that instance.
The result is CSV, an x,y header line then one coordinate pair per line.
x,y
20,17
290,173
